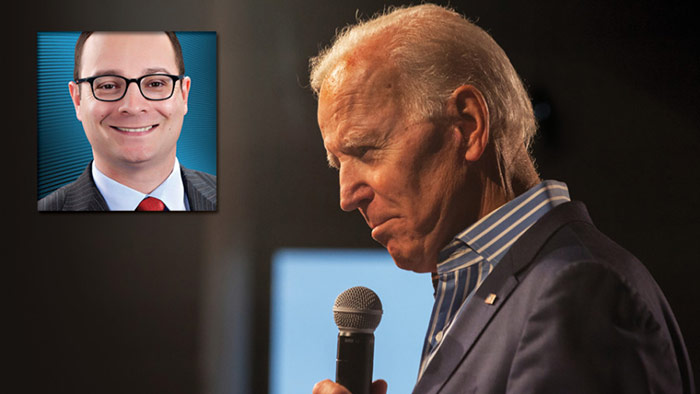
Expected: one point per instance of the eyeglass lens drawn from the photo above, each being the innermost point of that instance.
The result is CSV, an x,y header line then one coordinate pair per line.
x,y
154,87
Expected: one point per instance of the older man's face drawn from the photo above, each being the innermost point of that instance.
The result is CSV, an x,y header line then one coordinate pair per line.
x,y
133,130
405,177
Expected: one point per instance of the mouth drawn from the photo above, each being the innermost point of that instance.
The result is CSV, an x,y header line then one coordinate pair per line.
x,y
377,228
135,130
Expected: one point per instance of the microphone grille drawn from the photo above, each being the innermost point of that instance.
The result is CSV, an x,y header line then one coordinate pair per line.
x,y
357,309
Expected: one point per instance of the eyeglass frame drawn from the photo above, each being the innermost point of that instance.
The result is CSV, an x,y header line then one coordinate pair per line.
x,y
138,80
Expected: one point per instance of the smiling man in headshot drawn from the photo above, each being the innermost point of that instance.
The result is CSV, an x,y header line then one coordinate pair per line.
x,y
133,128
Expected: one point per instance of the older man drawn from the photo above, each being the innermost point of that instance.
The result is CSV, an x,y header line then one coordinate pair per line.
x,y
429,126
132,128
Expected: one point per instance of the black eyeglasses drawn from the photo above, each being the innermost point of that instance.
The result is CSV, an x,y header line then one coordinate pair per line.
x,y
154,87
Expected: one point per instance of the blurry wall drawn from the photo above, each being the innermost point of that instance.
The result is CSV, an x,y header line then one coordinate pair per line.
x,y
179,303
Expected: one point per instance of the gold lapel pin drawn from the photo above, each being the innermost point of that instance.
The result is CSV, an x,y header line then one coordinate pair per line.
x,y
490,299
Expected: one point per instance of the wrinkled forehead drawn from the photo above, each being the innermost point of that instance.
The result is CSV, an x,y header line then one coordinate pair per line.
x,y
359,80
128,53
358,103
364,67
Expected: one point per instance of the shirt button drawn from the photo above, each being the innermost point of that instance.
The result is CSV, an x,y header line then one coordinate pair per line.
x,y
438,337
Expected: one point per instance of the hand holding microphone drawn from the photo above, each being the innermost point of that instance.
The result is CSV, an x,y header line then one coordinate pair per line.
x,y
330,387
357,312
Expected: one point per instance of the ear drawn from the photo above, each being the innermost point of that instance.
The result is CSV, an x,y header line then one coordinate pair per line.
x,y
74,90
185,90
468,107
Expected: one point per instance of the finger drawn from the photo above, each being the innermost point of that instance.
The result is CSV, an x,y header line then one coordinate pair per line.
x,y
329,387
379,386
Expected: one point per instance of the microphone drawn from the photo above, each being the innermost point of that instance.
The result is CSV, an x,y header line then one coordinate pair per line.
x,y
357,312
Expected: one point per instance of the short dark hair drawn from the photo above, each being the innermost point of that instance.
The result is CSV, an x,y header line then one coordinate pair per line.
x,y
86,34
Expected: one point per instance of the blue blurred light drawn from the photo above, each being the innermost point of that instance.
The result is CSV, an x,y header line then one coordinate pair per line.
x,y
303,335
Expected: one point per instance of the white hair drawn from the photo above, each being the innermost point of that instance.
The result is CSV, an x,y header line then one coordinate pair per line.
x,y
436,50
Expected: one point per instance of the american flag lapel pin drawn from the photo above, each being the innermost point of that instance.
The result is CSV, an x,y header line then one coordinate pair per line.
x,y
490,299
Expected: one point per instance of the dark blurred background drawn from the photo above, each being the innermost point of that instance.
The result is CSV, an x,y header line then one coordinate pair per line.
x,y
178,303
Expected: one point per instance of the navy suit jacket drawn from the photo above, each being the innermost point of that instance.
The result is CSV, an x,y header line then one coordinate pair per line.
x,y
574,313
83,195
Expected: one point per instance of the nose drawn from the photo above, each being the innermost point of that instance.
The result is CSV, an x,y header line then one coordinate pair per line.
x,y
133,101
355,191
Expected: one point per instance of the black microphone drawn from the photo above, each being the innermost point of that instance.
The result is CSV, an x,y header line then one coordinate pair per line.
x,y
357,312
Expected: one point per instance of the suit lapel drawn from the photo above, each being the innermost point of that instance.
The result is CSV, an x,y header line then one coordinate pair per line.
x,y
200,194
466,329
474,317
83,195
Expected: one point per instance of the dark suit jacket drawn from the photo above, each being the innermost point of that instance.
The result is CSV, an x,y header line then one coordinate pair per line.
x,y
83,195
574,313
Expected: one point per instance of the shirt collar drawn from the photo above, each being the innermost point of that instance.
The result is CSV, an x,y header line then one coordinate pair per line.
x,y
123,198
492,235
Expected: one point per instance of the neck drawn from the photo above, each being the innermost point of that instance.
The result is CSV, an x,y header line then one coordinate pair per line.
x,y
488,185
494,195
140,176
504,180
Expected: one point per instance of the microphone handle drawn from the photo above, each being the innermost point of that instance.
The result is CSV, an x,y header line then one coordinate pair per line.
x,y
354,362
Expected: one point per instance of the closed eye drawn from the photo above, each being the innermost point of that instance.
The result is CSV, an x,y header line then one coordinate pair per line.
x,y
359,151
362,152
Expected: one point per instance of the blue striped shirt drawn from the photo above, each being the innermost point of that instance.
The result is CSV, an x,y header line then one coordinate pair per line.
x,y
466,261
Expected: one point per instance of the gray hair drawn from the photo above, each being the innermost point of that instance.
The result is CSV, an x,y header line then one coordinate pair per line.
x,y
437,50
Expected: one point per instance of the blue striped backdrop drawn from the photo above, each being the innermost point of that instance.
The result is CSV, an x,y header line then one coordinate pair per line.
x,y
63,150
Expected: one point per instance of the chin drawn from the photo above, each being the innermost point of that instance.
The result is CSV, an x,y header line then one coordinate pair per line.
x,y
415,262
138,154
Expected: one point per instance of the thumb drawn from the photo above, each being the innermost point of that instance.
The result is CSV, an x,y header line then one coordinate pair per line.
x,y
379,386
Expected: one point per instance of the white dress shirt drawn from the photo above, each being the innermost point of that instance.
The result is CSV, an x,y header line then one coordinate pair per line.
x,y
124,198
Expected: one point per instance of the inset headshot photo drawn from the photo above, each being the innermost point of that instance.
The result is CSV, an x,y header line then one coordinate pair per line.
x,y
126,121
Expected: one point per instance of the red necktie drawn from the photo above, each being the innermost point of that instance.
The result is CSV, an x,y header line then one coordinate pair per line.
x,y
151,204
